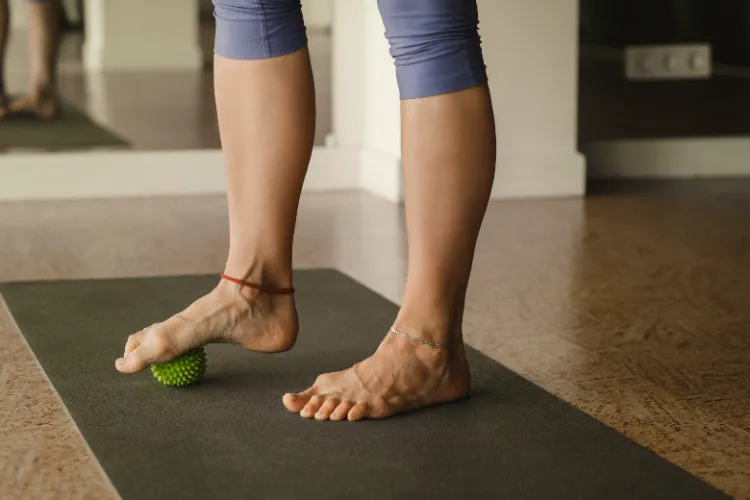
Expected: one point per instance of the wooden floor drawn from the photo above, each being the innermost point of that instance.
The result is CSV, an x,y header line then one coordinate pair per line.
x,y
636,309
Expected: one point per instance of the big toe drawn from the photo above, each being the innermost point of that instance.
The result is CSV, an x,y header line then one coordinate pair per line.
x,y
296,402
133,362
144,348
293,403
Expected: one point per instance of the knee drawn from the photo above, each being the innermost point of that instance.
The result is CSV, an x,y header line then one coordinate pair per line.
x,y
258,29
435,45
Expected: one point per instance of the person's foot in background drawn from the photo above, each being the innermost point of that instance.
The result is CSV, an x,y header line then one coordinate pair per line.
x,y
4,28
41,101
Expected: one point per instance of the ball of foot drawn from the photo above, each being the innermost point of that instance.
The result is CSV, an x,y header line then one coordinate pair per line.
x,y
183,370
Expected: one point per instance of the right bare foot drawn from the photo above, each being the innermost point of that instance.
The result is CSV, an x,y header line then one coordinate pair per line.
x,y
258,321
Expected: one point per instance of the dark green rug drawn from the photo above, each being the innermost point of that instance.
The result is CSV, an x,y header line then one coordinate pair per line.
x,y
230,437
73,130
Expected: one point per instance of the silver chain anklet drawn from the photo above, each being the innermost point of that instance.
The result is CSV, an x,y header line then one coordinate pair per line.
x,y
418,341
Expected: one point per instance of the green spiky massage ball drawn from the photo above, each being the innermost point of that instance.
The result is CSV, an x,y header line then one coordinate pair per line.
x,y
183,370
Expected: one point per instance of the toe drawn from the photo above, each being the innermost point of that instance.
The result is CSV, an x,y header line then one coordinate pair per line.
x,y
153,347
296,402
312,406
133,342
135,361
358,412
325,411
342,410
293,402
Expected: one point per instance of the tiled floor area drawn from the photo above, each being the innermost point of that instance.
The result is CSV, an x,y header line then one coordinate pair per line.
x,y
636,309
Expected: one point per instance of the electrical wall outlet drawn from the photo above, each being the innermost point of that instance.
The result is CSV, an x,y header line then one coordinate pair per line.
x,y
668,62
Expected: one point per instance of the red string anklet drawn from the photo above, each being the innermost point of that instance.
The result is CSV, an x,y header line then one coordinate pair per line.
x,y
262,288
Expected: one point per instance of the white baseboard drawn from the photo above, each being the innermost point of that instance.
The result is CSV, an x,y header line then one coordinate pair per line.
x,y
518,175
124,173
115,174
539,175
677,158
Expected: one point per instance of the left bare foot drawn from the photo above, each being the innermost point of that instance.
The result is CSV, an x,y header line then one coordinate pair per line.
x,y
401,376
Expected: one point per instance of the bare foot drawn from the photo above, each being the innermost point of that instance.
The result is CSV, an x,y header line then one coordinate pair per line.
x,y
401,376
43,105
255,320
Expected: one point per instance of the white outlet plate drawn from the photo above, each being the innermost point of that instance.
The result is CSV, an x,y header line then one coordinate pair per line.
x,y
668,62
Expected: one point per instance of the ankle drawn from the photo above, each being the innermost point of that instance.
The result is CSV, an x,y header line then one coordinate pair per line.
x,y
430,329
266,272
263,273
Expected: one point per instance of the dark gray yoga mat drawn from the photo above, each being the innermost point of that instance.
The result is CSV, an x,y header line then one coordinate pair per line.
x,y
230,437
72,130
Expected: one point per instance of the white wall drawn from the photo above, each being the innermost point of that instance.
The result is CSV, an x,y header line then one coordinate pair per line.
x,y
142,34
381,91
17,14
348,78
531,50
318,13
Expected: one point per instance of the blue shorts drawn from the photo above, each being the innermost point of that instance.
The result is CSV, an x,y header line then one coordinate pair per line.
x,y
434,43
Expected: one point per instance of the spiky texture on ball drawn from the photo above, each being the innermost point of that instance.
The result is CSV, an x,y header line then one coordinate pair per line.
x,y
183,370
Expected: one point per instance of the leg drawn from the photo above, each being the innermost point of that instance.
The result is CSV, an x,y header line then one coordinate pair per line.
x,y
4,29
448,149
265,102
44,41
